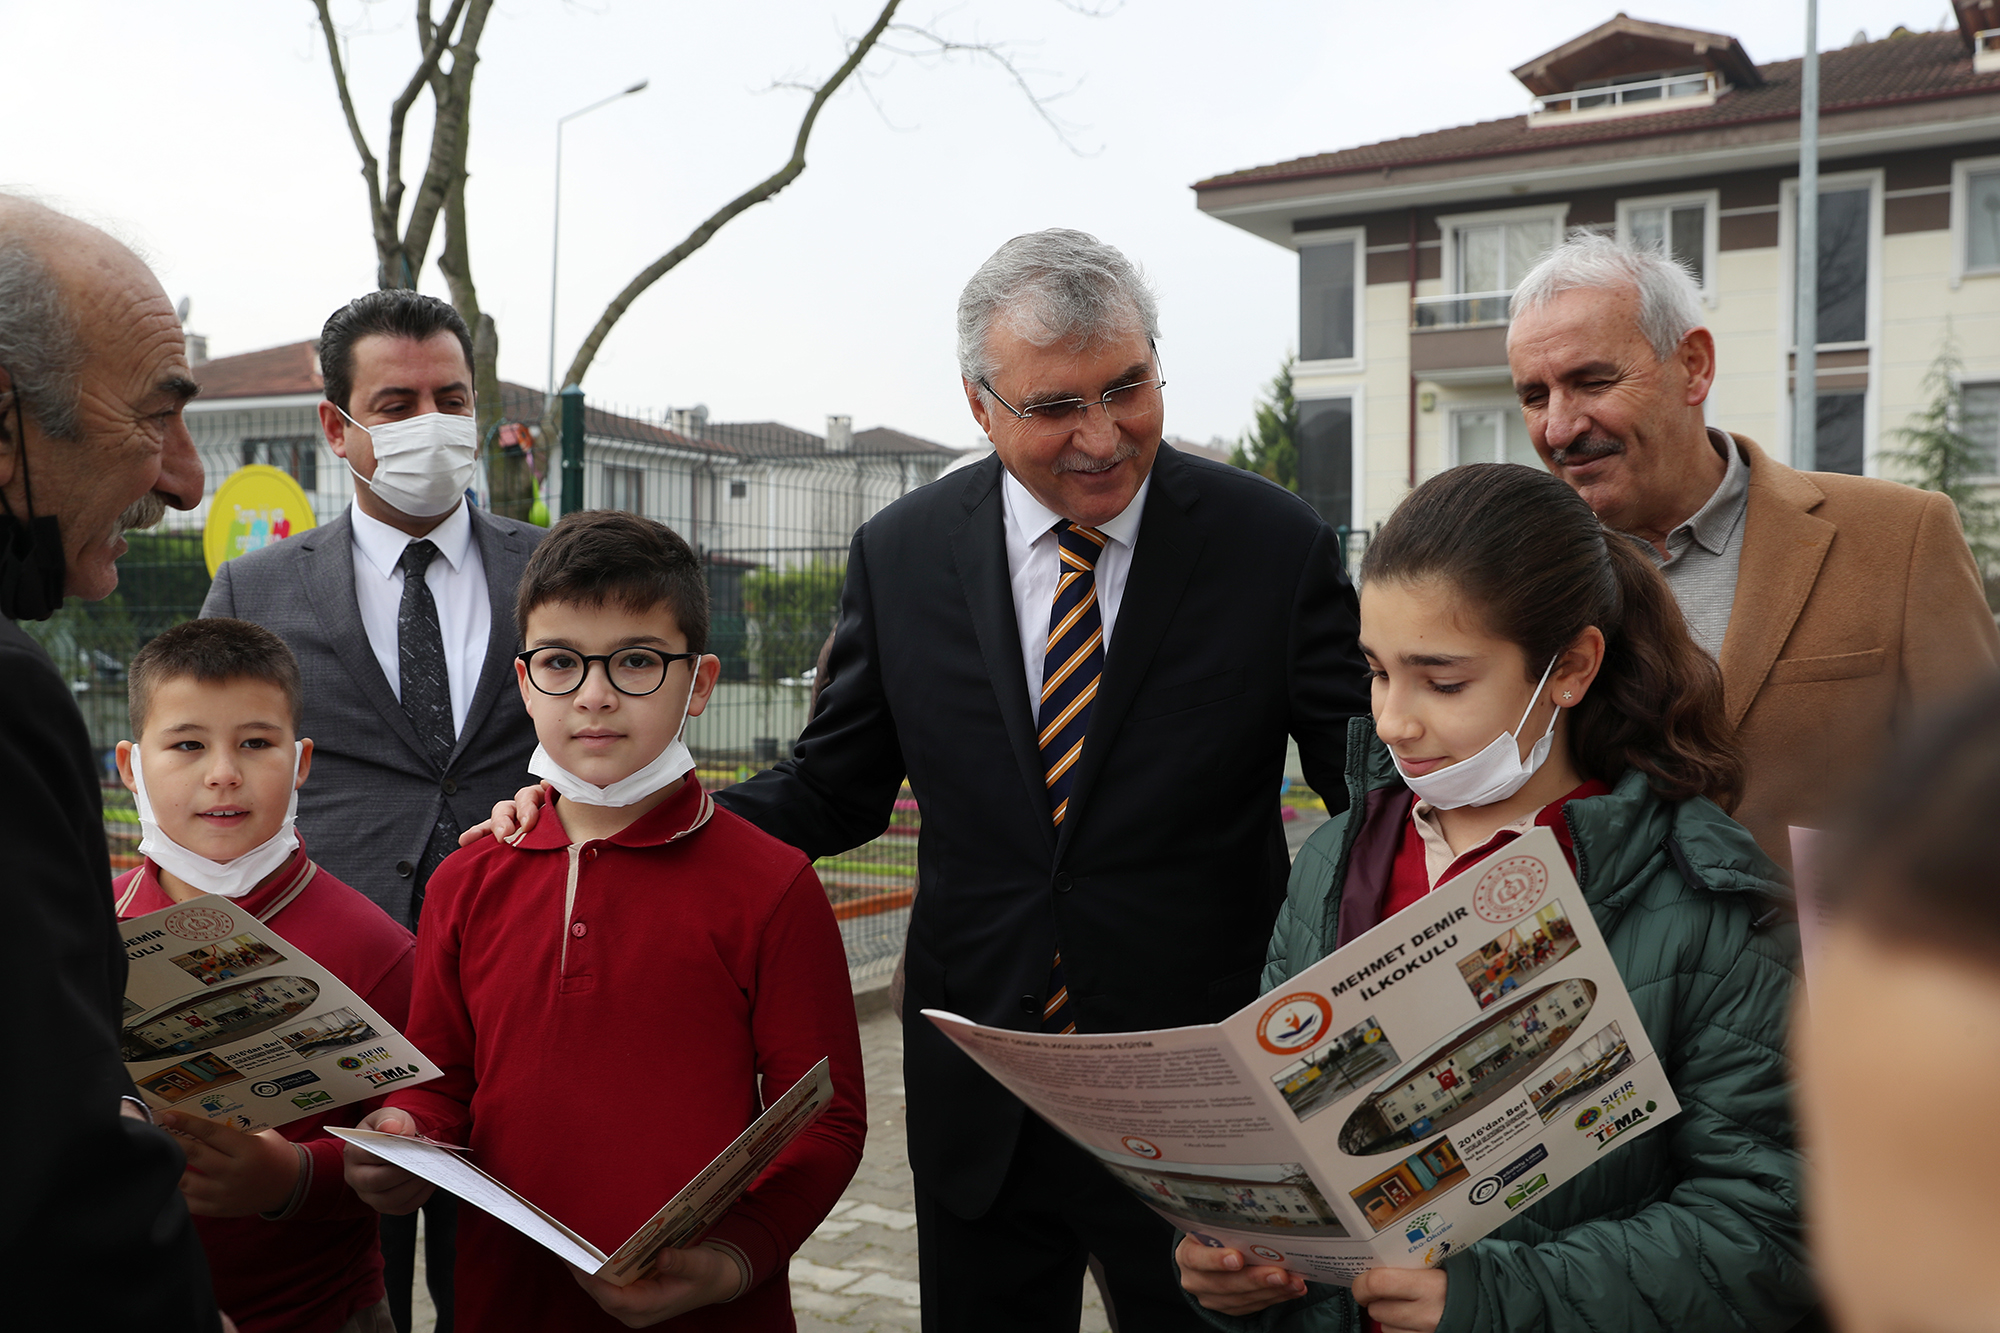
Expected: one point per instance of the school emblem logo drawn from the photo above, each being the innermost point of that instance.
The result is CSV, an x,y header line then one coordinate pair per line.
x,y
1510,889
1267,1254
1588,1117
1294,1022
200,924
1139,1147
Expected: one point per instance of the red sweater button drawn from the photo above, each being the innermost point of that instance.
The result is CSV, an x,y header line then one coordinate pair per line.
x,y
579,930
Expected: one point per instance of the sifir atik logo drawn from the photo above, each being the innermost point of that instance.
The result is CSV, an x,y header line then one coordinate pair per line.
x,y
1608,1130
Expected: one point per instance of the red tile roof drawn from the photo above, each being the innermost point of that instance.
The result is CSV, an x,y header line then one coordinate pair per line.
x,y
1908,67
273,372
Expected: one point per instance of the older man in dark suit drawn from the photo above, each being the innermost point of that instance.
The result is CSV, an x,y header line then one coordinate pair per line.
x,y
1085,653
401,613
93,375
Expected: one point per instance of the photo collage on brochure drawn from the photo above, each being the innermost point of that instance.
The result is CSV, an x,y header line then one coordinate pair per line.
x,y
1389,1105
225,1020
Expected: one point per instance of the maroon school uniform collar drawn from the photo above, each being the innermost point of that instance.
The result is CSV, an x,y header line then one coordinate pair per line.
x,y
263,903
1550,817
671,820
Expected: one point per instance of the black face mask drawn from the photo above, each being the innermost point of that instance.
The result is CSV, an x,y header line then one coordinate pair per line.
x,y
31,551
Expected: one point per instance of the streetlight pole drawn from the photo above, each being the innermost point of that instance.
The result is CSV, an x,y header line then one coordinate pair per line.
x,y
555,242
1805,314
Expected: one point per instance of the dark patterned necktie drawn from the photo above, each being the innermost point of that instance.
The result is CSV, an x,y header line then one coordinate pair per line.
x,y
426,690
1070,673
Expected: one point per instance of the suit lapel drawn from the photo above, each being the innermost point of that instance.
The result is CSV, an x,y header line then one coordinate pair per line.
x,y
979,554
1163,559
1783,547
502,555
329,580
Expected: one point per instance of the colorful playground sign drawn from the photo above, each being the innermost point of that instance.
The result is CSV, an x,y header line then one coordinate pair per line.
x,y
253,507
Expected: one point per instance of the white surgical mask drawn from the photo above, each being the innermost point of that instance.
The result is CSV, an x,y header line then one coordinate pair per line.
x,y
1496,772
668,767
422,464
230,879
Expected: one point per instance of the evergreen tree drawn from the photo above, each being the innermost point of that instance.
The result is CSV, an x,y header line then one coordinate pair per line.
x,y
1941,454
1270,448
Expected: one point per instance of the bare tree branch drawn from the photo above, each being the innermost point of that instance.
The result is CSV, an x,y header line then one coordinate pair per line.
x,y
380,224
434,39
448,135
946,47
756,194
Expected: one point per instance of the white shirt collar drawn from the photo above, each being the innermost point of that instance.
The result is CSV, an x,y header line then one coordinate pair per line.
x,y
1031,519
382,546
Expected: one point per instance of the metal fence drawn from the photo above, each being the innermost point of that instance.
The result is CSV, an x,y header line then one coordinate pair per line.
x,y
769,508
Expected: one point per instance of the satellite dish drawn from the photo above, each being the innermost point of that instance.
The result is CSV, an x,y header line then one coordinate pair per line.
x,y
181,310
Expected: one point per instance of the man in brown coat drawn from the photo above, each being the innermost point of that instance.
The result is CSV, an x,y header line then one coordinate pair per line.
x,y
1838,606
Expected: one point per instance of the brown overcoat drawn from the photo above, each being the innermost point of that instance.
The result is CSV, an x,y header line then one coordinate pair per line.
x,y
1857,605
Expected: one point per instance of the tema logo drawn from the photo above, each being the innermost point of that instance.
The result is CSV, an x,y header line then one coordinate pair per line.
x,y
1588,1117
1632,1119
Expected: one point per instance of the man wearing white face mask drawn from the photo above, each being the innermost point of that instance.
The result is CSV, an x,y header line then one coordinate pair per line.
x,y
400,611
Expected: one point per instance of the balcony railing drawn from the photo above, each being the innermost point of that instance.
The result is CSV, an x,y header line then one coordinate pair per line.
x,y
1670,88
1464,310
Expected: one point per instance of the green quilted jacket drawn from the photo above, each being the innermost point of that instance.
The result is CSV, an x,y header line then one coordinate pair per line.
x,y
1695,1225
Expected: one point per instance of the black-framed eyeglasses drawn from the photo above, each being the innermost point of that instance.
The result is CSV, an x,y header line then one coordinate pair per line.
x,y
1067,415
634,671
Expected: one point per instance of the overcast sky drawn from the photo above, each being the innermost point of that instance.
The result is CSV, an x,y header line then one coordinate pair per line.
x,y
208,135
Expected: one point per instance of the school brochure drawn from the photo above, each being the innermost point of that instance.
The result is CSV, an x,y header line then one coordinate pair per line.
x,y
227,1020
683,1220
1389,1105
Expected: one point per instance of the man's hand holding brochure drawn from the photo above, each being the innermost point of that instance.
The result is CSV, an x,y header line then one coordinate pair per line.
x,y
1387,1106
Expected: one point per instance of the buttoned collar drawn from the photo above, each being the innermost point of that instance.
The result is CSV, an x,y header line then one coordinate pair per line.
x,y
382,546
671,820
1031,519
1715,523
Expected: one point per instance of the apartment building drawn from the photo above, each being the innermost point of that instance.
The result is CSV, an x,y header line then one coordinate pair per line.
x,y
1409,249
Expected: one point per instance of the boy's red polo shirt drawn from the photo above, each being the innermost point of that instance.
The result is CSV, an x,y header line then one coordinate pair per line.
x,y
603,1013
312,1271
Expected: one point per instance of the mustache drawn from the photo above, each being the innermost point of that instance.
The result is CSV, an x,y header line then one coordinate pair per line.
x,y
144,512
1075,460
1586,449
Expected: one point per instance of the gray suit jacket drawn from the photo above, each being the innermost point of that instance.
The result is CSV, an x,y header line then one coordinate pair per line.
x,y
374,794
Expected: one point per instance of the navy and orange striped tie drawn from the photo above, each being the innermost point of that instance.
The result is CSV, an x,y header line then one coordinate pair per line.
x,y
1070,673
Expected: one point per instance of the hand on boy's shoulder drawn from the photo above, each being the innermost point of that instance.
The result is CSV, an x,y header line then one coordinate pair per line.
x,y
681,1280
385,1188
510,819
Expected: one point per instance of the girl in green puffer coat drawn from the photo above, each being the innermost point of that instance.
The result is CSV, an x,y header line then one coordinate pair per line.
x,y
1531,667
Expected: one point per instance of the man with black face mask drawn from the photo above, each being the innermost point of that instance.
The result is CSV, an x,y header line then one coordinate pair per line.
x,y
401,612
93,376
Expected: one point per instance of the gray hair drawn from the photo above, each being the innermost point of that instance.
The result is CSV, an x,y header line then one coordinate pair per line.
x,y
1048,287
1669,298
40,344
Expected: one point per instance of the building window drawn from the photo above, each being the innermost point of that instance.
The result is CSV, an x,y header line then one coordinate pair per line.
x,y
624,488
1678,228
296,457
1982,221
1495,256
1837,435
1329,279
1326,458
1491,435
1981,424
1843,265
739,490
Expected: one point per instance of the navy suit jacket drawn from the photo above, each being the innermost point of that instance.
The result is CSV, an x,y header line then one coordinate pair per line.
x,y
1237,628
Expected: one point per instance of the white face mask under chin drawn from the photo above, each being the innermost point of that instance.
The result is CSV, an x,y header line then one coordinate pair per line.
x,y
1496,772
229,879
669,766
422,464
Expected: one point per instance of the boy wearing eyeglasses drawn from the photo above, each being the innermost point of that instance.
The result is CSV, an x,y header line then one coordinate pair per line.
x,y
604,992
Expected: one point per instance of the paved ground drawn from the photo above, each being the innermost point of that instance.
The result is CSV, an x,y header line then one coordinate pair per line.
x,y
858,1272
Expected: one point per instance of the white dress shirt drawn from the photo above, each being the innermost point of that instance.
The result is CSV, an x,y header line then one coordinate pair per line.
x,y
457,581
1033,567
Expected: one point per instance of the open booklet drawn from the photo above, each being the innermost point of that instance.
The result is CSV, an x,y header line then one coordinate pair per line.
x,y
226,1020
681,1222
1389,1105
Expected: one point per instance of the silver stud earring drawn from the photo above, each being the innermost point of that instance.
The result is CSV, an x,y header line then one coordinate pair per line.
x,y
1567,696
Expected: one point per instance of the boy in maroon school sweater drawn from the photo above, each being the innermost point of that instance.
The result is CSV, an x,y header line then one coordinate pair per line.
x,y
605,993
216,705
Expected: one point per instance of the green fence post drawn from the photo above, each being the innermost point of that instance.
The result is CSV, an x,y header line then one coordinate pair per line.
x,y
572,449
